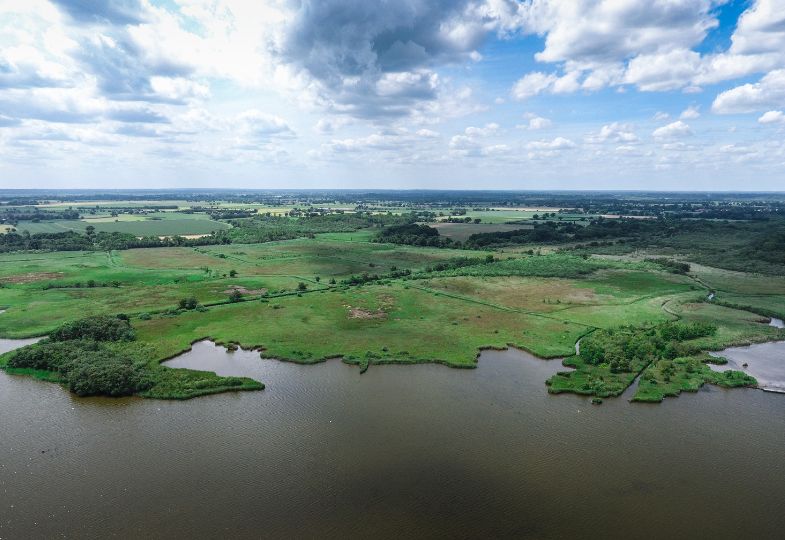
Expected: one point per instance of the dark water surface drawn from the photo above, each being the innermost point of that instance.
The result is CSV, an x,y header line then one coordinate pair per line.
x,y
401,451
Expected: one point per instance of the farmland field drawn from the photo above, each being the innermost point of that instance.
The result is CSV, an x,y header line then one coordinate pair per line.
x,y
137,225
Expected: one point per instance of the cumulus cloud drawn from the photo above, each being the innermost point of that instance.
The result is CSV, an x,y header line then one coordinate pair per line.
x,y
772,117
615,132
370,59
471,144
259,125
27,67
559,143
662,71
690,113
649,44
673,130
535,122
767,93
605,31
486,131
427,133
537,82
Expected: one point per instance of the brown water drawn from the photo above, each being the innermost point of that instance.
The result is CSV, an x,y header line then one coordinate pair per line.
x,y
401,451
764,361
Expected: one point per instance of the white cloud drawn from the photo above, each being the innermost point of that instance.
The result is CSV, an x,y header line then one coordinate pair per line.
x,y
662,71
768,92
485,131
690,113
649,44
615,132
330,125
260,125
532,84
673,130
772,117
536,122
427,133
178,88
559,143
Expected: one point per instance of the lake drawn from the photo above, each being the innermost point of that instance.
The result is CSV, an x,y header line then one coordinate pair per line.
x,y
764,361
419,451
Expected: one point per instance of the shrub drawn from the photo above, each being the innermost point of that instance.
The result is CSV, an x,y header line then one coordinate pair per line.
x,y
99,328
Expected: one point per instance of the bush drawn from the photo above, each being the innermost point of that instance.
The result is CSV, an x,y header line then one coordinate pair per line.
x,y
188,303
87,367
99,328
98,374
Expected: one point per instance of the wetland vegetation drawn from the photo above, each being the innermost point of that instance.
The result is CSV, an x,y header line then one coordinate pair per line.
x,y
647,283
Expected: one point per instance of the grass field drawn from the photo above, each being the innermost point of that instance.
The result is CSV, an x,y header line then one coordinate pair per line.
x,y
543,304
462,231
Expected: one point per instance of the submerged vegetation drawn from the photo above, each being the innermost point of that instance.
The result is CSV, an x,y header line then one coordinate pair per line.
x,y
376,282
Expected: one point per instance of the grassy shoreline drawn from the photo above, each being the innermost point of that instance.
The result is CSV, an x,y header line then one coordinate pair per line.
x,y
539,304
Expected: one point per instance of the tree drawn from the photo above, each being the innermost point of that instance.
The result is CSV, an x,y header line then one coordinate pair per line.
x,y
235,296
318,279
90,230
232,273
188,303
301,286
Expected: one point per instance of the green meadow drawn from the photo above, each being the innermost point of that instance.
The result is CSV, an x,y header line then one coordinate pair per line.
x,y
291,300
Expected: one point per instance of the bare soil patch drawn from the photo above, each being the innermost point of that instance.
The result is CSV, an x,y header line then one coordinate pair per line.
x,y
243,290
359,313
32,277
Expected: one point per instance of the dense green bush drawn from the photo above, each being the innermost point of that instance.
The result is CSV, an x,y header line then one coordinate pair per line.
x,y
675,267
85,355
99,374
626,348
99,328
413,234
87,367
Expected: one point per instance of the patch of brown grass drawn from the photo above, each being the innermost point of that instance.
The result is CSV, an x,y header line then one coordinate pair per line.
x,y
243,290
32,277
359,313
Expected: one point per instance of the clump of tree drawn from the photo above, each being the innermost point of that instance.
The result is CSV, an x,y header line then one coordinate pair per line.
x,y
188,303
413,234
675,267
101,241
628,349
99,328
89,357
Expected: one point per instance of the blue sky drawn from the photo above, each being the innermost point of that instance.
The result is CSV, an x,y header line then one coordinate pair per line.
x,y
484,94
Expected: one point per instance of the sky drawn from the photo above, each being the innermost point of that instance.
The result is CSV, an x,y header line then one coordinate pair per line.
x,y
399,94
